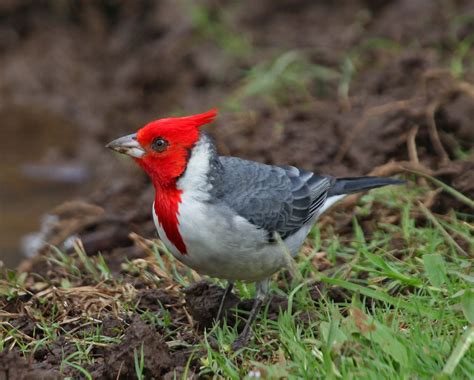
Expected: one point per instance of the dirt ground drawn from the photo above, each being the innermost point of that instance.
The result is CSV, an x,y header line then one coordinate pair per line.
x,y
118,64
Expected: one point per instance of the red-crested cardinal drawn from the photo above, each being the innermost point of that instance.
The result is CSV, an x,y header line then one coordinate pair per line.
x,y
227,217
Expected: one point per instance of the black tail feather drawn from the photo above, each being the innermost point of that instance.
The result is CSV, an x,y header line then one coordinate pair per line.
x,y
355,184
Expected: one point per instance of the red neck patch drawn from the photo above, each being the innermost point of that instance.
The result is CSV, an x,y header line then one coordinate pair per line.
x,y
166,207
167,201
166,166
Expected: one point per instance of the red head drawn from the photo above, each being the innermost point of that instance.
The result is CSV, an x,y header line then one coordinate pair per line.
x,y
162,147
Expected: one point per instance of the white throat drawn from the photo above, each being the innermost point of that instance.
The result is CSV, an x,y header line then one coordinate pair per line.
x,y
195,180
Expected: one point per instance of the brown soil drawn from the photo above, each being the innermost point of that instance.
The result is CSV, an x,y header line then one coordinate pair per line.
x,y
119,359
119,64
14,366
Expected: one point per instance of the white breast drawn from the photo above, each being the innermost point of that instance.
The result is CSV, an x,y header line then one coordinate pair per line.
x,y
219,242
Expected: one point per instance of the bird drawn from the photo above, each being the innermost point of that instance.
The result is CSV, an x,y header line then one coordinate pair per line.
x,y
227,217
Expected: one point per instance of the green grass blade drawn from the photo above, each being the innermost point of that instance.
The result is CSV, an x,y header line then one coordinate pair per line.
x,y
417,309
461,348
455,193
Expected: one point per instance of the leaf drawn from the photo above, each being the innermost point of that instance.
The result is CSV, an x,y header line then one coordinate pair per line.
x,y
5,290
467,304
380,334
435,269
65,283
465,277
361,321
359,233
333,335
390,270
381,296
385,338
22,278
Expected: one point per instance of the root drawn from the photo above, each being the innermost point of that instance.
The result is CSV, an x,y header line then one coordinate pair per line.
x,y
444,89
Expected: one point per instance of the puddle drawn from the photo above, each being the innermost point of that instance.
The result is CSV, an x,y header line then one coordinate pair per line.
x,y
37,172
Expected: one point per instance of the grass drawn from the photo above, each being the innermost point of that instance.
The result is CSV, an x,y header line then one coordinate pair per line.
x,y
287,76
406,317
216,27
393,298
292,77
407,309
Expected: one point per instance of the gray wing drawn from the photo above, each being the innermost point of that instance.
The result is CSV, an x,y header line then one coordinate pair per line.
x,y
275,198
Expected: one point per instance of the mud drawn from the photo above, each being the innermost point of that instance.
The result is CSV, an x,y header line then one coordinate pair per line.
x,y
14,366
120,64
203,300
119,359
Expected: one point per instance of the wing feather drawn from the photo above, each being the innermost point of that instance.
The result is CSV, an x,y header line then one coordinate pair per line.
x,y
278,199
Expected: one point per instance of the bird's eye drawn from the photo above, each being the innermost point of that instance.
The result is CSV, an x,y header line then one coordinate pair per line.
x,y
159,144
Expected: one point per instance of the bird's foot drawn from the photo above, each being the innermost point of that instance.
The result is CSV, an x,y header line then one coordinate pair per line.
x,y
226,294
246,334
242,340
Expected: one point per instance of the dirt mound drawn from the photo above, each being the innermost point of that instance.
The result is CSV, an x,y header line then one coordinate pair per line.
x,y
14,366
140,341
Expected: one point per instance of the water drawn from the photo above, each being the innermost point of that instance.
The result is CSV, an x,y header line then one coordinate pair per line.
x,y
37,172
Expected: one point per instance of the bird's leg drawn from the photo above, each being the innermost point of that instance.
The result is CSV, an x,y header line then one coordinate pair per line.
x,y
260,297
228,290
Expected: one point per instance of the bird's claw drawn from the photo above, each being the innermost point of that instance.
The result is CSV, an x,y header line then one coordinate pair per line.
x,y
227,291
241,341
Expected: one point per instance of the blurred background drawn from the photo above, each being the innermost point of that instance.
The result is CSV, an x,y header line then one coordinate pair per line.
x,y
336,87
